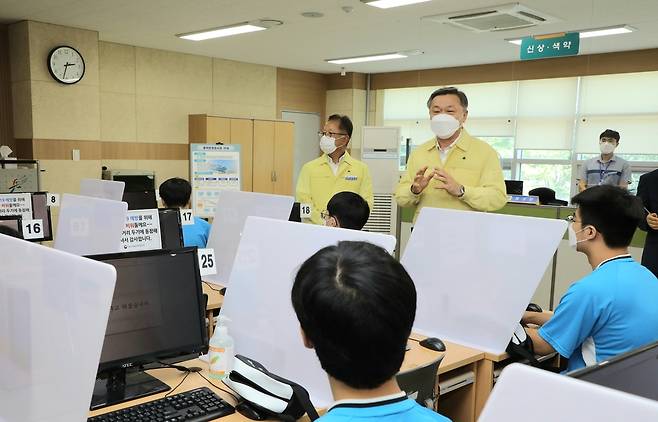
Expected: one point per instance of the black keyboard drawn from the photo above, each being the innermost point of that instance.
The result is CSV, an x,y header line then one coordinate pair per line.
x,y
200,405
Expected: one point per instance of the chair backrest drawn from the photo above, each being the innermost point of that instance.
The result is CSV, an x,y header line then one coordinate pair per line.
x,y
421,383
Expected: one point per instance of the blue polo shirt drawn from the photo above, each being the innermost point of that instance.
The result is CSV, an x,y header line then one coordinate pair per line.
x,y
396,408
611,311
196,234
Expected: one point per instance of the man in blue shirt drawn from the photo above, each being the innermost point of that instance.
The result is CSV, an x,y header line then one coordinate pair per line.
x,y
612,310
175,193
356,305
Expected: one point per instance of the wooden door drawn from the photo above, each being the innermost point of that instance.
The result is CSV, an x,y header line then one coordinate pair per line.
x,y
242,133
263,153
284,136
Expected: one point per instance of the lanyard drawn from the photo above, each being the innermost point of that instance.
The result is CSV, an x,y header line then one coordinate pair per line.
x,y
602,171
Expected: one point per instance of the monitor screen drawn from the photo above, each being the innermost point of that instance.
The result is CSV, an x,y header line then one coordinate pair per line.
x,y
140,200
41,211
514,187
135,182
171,230
10,224
157,308
634,372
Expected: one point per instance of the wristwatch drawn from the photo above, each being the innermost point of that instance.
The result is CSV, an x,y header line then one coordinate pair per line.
x,y
461,192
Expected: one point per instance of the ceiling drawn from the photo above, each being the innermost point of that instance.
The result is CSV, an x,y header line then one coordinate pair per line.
x,y
304,43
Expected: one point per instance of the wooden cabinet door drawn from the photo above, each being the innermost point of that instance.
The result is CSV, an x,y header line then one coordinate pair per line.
x,y
218,130
263,153
284,137
242,133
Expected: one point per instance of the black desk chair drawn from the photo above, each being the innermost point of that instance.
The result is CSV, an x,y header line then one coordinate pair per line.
x,y
421,384
547,197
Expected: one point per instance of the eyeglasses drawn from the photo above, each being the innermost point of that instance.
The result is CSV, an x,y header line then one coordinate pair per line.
x,y
572,218
331,134
325,215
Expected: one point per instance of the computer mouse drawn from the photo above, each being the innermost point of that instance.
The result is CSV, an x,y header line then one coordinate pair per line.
x,y
533,307
433,343
249,412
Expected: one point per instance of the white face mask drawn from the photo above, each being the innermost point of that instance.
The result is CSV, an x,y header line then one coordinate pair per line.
x,y
573,237
444,125
327,144
607,147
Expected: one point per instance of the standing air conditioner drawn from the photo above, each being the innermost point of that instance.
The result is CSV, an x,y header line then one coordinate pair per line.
x,y
380,150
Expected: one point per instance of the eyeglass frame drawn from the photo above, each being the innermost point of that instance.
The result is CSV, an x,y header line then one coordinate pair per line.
x,y
331,134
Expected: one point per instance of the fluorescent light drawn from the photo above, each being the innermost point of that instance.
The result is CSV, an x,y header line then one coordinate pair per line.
x,y
602,32
591,33
387,4
225,31
389,56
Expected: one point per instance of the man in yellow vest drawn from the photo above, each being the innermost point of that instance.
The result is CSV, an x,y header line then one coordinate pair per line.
x,y
334,171
453,170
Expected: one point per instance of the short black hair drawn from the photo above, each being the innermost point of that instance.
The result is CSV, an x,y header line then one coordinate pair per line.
x,y
450,90
350,209
344,123
356,305
609,133
8,231
175,192
613,211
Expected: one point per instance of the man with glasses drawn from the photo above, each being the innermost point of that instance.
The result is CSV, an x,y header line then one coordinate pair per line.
x,y
334,171
346,210
453,169
612,310
606,169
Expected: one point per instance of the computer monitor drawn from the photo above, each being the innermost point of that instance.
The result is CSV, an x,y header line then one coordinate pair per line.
x,y
295,213
171,229
514,187
140,200
634,372
136,182
157,313
12,222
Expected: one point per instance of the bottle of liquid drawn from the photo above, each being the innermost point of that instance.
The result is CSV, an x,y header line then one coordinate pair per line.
x,y
221,350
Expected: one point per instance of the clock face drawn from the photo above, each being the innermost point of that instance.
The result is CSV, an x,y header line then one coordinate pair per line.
x,y
66,64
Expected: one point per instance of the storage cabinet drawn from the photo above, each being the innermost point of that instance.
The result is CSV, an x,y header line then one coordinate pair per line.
x,y
267,149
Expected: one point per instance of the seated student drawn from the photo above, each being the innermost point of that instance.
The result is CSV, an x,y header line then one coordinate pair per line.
x,y
175,193
347,210
356,305
613,309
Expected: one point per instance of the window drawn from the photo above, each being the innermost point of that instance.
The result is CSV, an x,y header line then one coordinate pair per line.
x,y
504,145
554,176
544,154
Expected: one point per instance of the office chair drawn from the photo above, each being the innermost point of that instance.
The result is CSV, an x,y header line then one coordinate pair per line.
x,y
422,383
547,197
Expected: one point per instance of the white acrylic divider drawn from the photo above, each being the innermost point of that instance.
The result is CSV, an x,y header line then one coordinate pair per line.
x,y
54,308
233,208
548,397
264,325
90,226
476,272
99,188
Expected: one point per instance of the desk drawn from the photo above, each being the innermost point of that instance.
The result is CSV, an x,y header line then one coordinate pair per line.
x,y
459,361
172,377
215,301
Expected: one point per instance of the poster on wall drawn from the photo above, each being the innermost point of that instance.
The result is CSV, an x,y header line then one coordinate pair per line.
x,y
16,204
212,168
142,231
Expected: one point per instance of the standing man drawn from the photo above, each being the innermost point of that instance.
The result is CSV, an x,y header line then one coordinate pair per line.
x,y
334,171
647,190
606,169
453,170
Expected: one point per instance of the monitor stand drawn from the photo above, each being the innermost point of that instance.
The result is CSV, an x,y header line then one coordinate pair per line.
x,y
120,386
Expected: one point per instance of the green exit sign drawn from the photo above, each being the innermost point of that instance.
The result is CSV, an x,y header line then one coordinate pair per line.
x,y
555,46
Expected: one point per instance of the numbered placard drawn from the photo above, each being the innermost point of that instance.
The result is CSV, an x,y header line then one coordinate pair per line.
x,y
53,199
32,229
207,265
305,210
186,216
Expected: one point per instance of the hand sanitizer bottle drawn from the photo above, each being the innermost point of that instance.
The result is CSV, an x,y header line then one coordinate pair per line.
x,y
221,351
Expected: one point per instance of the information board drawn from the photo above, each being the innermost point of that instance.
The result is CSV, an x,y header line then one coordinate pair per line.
x,y
212,168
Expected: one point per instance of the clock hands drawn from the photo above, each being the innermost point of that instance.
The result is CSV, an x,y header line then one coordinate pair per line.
x,y
66,66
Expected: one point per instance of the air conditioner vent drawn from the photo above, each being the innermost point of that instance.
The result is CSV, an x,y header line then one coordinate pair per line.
x,y
498,18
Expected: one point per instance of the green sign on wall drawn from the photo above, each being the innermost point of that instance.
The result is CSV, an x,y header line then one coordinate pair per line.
x,y
541,48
